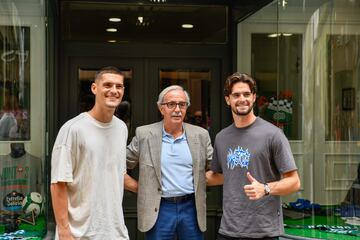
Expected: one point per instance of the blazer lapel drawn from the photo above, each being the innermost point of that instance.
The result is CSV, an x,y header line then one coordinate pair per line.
x,y
194,147
155,142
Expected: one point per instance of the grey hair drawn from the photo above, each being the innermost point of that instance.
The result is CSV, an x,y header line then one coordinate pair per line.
x,y
172,88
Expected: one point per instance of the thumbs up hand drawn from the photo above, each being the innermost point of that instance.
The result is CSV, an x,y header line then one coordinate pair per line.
x,y
254,190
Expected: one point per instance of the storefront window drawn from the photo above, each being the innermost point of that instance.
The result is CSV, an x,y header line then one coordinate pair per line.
x,y
15,83
343,113
279,79
307,52
22,120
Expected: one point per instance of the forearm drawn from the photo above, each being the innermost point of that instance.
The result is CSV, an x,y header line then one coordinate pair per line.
x,y
130,184
59,196
214,179
290,183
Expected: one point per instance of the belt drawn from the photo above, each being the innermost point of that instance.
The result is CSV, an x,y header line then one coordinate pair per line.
x,y
179,199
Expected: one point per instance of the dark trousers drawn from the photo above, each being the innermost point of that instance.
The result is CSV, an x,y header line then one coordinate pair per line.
x,y
176,220
223,237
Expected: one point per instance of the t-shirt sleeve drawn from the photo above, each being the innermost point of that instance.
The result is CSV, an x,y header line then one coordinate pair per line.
x,y
215,163
62,158
283,156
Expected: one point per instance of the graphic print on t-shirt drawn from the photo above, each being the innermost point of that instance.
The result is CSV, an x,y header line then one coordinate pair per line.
x,y
238,157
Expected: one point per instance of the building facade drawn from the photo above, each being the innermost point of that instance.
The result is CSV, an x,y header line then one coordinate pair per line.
x,y
305,56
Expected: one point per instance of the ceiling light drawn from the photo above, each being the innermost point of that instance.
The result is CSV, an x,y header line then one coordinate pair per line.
x,y
111,41
283,3
142,21
187,25
273,35
114,19
111,30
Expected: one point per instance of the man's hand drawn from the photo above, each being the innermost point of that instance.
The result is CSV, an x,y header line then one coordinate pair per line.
x,y
130,184
214,179
65,233
254,190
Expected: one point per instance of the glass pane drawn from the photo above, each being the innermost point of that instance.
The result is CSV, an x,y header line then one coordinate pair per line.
x,y
23,195
197,84
14,83
343,113
86,97
279,85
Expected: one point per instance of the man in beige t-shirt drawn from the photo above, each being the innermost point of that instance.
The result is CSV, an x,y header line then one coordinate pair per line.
x,y
88,167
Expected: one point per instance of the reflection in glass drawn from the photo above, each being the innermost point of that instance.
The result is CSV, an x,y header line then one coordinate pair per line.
x,y
14,83
343,114
279,87
197,84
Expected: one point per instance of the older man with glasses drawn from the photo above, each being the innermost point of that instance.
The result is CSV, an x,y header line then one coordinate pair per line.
x,y
172,156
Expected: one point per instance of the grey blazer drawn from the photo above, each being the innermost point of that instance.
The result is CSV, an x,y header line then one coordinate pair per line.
x,y
145,149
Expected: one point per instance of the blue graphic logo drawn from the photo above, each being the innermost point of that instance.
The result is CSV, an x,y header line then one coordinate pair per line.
x,y
238,157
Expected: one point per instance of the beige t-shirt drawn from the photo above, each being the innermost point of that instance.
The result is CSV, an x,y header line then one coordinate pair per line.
x,y
91,157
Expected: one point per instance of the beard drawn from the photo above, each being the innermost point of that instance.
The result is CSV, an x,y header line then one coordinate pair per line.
x,y
242,113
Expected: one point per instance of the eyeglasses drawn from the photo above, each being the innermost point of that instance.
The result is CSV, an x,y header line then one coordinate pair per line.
x,y
172,105
238,94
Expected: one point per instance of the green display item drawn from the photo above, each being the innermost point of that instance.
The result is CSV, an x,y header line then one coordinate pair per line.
x,y
19,234
314,220
278,116
343,230
313,233
38,230
26,231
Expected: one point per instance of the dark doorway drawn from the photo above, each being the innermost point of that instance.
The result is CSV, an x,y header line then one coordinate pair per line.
x,y
152,58
145,78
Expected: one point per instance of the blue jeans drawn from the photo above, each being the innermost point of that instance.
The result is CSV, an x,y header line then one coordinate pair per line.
x,y
176,221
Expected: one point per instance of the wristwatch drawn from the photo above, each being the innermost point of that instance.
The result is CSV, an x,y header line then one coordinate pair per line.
x,y
267,189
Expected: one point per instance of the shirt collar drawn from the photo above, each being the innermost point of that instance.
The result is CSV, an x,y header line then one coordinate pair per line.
x,y
168,135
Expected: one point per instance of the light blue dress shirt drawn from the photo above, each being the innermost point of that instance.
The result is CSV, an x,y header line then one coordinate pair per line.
x,y
176,166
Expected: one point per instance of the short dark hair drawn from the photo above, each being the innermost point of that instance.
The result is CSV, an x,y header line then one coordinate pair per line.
x,y
239,77
108,69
